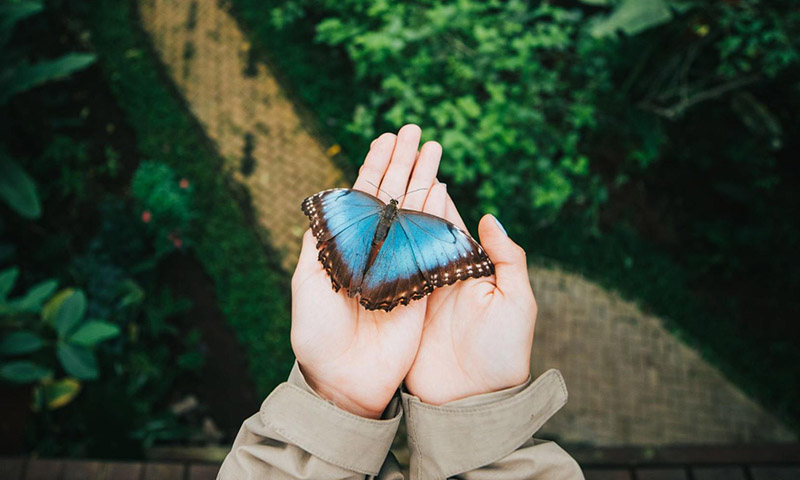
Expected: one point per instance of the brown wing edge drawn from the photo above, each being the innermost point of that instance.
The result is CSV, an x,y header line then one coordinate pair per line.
x,y
462,269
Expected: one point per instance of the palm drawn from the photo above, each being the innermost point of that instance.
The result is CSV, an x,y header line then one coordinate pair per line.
x,y
465,347
370,351
348,354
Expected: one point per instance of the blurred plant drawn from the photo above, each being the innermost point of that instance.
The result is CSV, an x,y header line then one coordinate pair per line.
x,y
497,83
18,73
165,205
40,320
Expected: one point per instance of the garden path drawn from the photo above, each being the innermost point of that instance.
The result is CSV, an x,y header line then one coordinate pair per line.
x,y
630,380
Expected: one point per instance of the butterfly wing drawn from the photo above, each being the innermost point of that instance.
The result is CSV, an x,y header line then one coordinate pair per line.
x,y
344,222
421,252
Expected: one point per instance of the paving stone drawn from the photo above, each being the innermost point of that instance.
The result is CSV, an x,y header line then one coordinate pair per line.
x,y
203,472
775,473
163,471
605,474
719,473
39,469
12,468
122,471
661,474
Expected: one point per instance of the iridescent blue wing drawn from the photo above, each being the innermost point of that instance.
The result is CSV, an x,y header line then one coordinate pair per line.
x,y
344,222
421,252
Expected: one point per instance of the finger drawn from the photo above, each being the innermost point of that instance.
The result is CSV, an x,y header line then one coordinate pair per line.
x,y
307,263
371,172
436,203
451,215
423,176
405,151
511,267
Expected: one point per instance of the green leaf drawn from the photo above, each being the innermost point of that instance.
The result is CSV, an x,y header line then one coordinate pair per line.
x,y
57,394
8,278
50,309
21,77
632,17
77,361
23,371
70,313
17,188
12,13
35,297
93,332
20,342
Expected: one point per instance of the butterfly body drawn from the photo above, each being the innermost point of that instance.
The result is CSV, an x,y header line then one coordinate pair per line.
x,y
388,255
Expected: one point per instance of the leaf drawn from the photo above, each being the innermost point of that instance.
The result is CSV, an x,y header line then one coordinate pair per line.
x,y
57,394
23,371
24,76
632,17
8,278
93,332
50,309
20,342
35,297
12,13
70,313
77,361
17,188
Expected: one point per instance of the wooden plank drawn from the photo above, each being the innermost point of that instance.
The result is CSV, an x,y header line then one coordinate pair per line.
x,y
719,473
775,473
12,468
164,471
81,470
661,474
122,471
203,472
605,474
687,455
44,469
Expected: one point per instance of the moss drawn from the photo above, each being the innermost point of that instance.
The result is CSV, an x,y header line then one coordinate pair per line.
x,y
253,292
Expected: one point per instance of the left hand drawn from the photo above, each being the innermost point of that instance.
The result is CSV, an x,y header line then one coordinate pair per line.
x,y
478,333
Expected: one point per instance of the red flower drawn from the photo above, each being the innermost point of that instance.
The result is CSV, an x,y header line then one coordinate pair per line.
x,y
184,183
146,216
176,240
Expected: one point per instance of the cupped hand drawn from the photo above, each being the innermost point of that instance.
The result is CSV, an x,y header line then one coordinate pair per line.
x,y
351,356
477,333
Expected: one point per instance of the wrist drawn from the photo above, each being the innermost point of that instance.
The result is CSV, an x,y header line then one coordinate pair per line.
x,y
372,408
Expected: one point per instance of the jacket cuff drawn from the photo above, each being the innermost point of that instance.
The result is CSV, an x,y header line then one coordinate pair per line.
x,y
296,412
454,438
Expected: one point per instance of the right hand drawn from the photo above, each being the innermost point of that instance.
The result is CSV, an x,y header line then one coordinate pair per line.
x,y
351,356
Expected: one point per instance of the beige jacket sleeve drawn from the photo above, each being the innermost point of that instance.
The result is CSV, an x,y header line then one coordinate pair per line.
x,y
489,437
299,435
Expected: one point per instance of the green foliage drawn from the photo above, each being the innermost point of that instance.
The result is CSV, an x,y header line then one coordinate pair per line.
x,y
165,204
17,189
27,322
252,294
19,75
494,82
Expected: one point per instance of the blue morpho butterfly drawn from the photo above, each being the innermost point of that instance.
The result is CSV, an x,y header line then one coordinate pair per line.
x,y
386,254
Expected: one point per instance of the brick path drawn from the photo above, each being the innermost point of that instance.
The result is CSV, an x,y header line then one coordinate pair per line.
x,y
256,129
630,381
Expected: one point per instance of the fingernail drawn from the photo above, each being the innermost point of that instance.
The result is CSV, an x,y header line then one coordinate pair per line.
x,y
444,185
500,225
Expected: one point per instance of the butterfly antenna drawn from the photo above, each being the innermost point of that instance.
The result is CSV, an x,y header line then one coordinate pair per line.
x,y
379,188
412,191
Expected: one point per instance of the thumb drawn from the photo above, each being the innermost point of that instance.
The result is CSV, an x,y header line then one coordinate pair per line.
x,y
511,267
307,264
